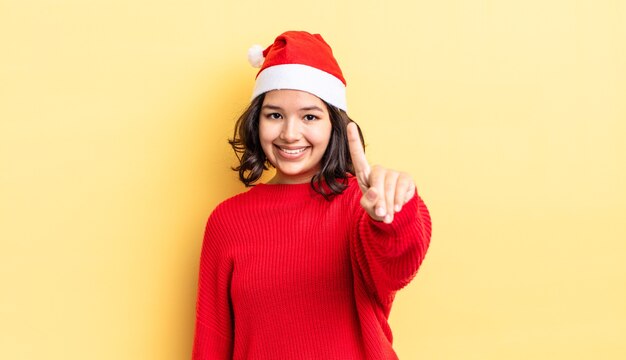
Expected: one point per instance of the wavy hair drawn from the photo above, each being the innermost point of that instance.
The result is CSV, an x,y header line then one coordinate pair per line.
x,y
335,163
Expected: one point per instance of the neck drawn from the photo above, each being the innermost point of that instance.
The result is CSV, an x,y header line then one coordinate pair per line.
x,y
287,180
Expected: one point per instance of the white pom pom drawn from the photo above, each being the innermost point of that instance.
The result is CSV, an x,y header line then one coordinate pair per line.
x,y
255,56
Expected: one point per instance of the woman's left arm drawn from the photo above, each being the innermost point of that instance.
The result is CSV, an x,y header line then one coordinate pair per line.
x,y
393,225
389,255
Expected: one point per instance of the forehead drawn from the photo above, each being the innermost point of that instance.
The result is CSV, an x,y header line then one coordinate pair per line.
x,y
288,97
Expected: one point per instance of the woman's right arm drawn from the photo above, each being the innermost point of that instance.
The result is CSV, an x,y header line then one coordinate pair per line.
x,y
213,337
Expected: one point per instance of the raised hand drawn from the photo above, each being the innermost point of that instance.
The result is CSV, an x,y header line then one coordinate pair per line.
x,y
384,191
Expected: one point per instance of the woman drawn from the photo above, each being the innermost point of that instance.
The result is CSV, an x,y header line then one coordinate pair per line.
x,y
307,265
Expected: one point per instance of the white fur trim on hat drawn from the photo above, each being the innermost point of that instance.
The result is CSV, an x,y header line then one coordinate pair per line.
x,y
305,78
255,56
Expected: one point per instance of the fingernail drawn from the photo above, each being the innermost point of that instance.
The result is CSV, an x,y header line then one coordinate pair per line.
x,y
370,195
380,211
398,207
388,219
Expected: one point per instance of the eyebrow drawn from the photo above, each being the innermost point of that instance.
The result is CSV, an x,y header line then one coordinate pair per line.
x,y
306,108
313,107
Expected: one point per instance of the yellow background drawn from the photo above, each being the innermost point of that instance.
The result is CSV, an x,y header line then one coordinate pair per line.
x,y
510,115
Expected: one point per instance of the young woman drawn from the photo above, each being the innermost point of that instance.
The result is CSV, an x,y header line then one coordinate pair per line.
x,y
307,265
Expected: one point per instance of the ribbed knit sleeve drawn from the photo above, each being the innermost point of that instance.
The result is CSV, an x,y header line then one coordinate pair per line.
x,y
213,337
389,255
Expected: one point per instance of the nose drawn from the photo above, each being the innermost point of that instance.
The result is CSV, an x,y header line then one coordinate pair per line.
x,y
291,130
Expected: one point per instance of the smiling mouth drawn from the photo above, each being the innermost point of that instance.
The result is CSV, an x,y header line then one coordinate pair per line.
x,y
292,151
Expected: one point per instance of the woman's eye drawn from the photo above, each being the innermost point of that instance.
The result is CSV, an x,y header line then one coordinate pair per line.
x,y
274,116
310,117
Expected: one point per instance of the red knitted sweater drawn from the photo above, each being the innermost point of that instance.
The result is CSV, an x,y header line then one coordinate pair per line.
x,y
285,274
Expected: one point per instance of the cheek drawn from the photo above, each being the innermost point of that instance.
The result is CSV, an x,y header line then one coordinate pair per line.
x,y
323,136
264,133
266,138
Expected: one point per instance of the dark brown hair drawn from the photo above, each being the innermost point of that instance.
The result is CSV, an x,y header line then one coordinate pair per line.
x,y
335,164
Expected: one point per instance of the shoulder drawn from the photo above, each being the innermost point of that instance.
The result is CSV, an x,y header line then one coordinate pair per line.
x,y
222,221
350,198
235,202
353,190
226,211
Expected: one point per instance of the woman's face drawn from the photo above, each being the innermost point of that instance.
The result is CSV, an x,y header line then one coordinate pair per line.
x,y
294,129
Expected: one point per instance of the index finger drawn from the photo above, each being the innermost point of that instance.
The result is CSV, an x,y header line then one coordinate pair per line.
x,y
359,161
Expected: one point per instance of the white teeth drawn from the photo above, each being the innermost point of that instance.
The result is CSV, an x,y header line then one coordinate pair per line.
x,y
292,152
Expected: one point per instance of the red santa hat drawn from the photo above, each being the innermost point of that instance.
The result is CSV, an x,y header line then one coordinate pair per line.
x,y
299,60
